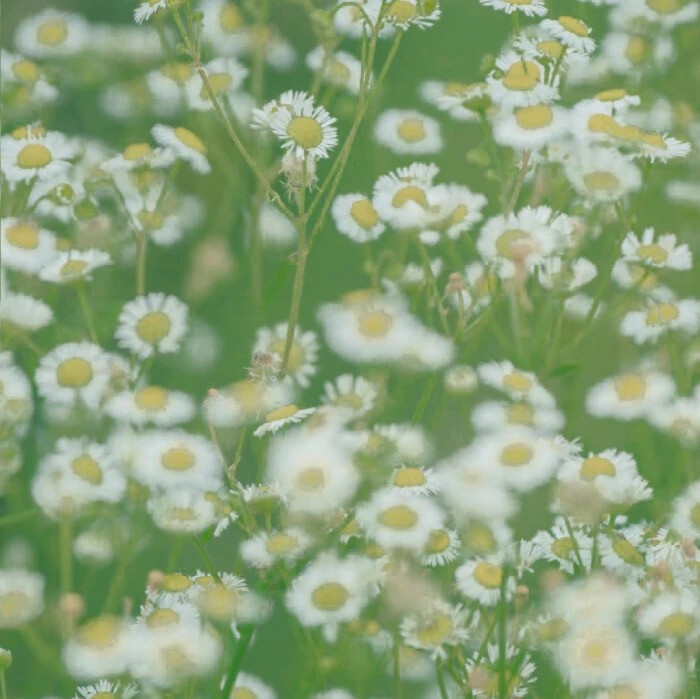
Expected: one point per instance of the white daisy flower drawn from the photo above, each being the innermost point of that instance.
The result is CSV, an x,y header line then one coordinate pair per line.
x,y
454,97
484,668
52,33
524,239
399,520
481,580
629,396
460,379
225,75
303,353
354,394
520,82
185,144
73,371
402,197
275,229
530,8
618,98
656,319
138,156
332,590
673,616
559,546
680,419
224,26
517,385
250,687
442,548
404,14
652,678
601,174
42,157
147,9
340,69
25,246
356,217
281,416
408,132
245,401
553,273
436,625
105,688
23,312
571,31
596,599
73,265
23,77
685,519
21,597
98,648
152,324
623,552
493,416
454,209
530,127
265,549
413,480
182,511
16,404
315,472
167,86
596,654
661,251
666,14
77,473
151,404
176,459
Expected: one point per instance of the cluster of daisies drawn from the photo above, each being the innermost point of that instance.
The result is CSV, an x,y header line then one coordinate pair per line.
x,y
462,543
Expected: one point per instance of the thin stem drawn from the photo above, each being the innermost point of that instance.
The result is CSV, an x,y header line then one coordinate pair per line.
x,y
577,551
236,660
512,202
65,553
208,563
86,310
502,637
440,680
239,453
3,685
141,248
118,577
16,517
424,398
396,656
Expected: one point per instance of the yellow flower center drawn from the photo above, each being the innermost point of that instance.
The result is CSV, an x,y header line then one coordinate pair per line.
x,y
480,539
516,381
162,617
296,354
522,76
136,151
695,515
627,551
52,33
438,541
151,219
652,252
375,323
25,70
623,691
219,83
330,596
73,268
243,693
23,235
519,2
364,214
536,117
595,466
153,326
151,398
74,372
282,413
520,414
190,139
637,49
349,400
85,467
338,71
516,454
219,602
662,314
596,651
551,48
488,575
630,387
562,547
436,631
175,582
408,193
280,544
305,131
33,156
248,394
100,632
177,459
11,604
573,25
664,7
409,477
230,18
401,11
514,243
104,695
459,213
310,479
552,630
612,95
678,624
398,517
455,89
600,181
411,130
177,72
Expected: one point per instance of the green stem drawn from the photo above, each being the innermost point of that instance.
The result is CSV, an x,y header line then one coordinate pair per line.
x,y
17,517
502,637
141,248
86,310
65,552
3,685
424,398
440,680
208,563
118,577
236,660
397,668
